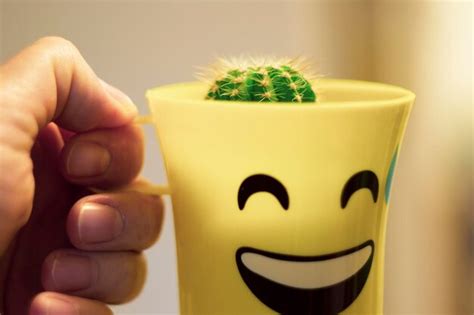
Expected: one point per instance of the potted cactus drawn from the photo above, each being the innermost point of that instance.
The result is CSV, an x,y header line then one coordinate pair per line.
x,y
261,81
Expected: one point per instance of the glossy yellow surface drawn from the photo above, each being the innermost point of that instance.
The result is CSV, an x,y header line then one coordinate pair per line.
x,y
210,147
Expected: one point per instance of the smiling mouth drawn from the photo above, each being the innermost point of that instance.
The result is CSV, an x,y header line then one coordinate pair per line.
x,y
288,284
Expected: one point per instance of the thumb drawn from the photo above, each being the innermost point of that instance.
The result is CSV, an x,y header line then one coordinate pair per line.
x,y
48,81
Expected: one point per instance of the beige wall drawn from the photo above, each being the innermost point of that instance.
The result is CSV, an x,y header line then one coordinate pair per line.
x,y
1,29
427,46
422,45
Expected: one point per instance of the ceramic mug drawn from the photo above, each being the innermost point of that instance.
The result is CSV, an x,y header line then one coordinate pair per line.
x,y
279,207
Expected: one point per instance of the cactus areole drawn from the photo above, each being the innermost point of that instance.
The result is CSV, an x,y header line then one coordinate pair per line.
x,y
278,82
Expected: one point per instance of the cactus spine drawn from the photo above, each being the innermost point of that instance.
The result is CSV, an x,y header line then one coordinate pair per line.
x,y
278,81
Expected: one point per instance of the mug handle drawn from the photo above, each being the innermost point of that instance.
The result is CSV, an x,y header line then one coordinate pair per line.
x,y
144,186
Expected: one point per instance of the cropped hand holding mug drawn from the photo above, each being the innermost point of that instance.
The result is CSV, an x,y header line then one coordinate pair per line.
x,y
63,249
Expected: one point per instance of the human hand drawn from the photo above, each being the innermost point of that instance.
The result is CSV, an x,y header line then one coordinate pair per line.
x,y
62,130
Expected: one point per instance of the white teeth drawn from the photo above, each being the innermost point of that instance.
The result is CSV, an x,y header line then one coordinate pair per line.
x,y
307,274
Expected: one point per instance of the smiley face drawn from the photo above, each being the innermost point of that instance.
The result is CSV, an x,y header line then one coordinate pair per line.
x,y
293,284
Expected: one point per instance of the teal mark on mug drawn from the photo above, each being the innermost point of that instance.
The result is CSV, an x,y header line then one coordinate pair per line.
x,y
390,175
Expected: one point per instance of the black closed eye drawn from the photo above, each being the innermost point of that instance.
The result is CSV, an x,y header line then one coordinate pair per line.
x,y
261,182
362,179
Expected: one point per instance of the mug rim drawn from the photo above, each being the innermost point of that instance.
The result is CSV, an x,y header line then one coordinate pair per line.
x,y
162,93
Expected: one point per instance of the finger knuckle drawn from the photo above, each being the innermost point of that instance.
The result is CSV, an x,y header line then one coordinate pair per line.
x,y
13,209
55,41
16,215
58,46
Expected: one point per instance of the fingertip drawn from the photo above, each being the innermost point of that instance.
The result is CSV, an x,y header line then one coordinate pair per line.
x,y
119,221
123,102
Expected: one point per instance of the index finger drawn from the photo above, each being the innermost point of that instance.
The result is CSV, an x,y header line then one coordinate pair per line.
x,y
50,81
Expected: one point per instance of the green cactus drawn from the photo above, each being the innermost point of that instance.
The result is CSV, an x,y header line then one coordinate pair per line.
x,y
277,82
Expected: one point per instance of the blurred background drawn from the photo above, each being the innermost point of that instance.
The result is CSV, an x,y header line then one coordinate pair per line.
x,y
425,46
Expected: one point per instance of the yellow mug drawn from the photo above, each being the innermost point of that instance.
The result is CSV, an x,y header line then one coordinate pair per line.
x,y
280,208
